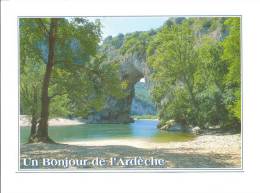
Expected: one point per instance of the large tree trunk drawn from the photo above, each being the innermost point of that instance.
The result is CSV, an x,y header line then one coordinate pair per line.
x,y
42,132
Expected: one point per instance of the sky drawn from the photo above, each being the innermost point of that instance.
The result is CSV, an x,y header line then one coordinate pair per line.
x,y
115,25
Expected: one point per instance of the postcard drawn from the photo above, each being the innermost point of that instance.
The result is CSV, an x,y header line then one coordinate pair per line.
x,y
124,93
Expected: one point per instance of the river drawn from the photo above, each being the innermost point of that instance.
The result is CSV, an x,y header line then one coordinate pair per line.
x,y
138,129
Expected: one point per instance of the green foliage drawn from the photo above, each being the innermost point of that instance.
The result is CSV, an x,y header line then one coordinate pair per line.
x,y
231,55
174,64
30,91
80,80
165,137
140,117
209,80
196,77
115,42
30,87
31,37
77,41
136,43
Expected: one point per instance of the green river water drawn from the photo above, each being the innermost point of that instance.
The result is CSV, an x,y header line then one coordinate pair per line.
x,y
139,129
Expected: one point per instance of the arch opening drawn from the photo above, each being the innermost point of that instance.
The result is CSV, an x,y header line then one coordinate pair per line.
x,y
142,105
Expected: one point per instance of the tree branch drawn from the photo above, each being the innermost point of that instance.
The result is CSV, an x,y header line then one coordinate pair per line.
x,y
43,27
56,94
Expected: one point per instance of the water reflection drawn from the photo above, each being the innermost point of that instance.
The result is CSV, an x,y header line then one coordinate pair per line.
x,y
144,128
138,129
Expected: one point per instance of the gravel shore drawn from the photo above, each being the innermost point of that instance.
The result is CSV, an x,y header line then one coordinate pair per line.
x,y
206,151
25,121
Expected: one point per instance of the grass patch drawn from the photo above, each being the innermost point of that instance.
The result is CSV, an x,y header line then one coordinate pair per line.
x,y
138,117
173,137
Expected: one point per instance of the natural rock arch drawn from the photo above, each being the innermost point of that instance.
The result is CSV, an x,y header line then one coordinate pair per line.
x,y
132,69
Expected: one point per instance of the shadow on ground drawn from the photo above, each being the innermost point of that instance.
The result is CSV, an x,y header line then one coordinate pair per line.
x,y
173,157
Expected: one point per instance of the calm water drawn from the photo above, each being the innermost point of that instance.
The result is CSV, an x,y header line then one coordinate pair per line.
x,y
138,129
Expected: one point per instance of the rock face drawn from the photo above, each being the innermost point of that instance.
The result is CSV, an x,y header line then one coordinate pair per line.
x,y
139,107
132,69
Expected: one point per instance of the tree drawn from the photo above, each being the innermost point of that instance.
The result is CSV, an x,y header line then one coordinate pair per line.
x,y
30,86
173,58
231,55
196,72
31,70
209,81
72,74
42,132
